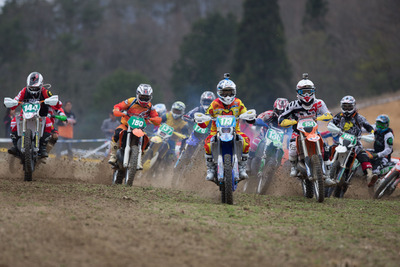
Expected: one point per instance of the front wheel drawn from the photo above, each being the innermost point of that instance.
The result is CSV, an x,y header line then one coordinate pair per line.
x,y
318,178
266,177
118,176
29,163
384,185
228,192
132,165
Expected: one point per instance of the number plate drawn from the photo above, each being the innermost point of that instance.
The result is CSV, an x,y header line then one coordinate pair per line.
x,y
308,123
31,107
349,137
226,121
136,122
274,136
165,128
199,130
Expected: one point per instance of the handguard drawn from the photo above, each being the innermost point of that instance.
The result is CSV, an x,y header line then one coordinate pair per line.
x,y
249,115
325,117
201,118
118,113
287,123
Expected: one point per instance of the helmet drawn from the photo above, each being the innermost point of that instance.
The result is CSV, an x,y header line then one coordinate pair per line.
x,y
144,94
161,109
305,92
226,90
34,83
206,98
178,109
348,105
382,122
279,105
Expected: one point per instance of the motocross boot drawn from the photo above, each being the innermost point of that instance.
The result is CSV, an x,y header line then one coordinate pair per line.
x,y
371,177
14,149
293,169
210,168
329,182
52,142
43,145
242,167
113,153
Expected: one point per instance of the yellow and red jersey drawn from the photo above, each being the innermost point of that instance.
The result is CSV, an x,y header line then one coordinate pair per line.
x,y
216,108
132,106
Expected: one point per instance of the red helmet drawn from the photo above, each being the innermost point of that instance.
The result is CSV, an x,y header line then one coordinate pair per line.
x,y
279,105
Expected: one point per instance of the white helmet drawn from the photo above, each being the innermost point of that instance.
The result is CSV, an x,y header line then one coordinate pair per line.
x,y
34,83
178,109
305,92
348,105
206,98
161,109
144,93
226,90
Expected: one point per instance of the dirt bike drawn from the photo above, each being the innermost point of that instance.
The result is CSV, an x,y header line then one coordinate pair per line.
x,y
385,186
310,165
30,129
130,153
226,149
271,159
344,162
158,155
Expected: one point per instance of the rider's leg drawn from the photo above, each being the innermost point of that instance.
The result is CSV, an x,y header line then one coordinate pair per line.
x,y
245,156
114,145
366,167
211,166
43,144
14,137
293,157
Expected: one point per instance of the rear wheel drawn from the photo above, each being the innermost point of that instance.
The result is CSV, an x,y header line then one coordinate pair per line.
x,y
132,165
384,185
228,179
28,156
318,178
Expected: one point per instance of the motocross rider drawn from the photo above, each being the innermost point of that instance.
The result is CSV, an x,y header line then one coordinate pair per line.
x,y
34,91
266,119
138,106
383,145
350,121
225,104
205,101
174,118
305,105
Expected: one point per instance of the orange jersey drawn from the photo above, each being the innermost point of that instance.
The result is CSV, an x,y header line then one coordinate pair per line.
x,y
216,108
134,109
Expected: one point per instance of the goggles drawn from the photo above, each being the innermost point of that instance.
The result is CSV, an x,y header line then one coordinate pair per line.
x,y
380,125
347,107
177,111
144,98
306,91
225,93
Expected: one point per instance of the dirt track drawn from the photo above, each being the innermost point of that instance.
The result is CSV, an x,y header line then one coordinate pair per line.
x,y
70,216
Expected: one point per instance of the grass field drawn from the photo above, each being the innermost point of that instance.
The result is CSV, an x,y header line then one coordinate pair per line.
x,y
65,223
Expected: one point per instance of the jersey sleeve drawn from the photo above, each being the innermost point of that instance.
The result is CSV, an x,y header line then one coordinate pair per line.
x,y
323,109
242,108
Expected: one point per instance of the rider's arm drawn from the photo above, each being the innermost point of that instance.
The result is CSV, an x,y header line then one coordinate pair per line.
x,y
389,138
19,97
154,118
122,106
260,122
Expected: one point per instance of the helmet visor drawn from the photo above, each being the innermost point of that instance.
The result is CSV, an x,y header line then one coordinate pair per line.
x,y
381,125
34,89
306,91
226,92
144,98
206,102
177,111
347,107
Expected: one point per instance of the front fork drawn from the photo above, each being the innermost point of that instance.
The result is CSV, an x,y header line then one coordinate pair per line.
x,y
307,159
127,147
